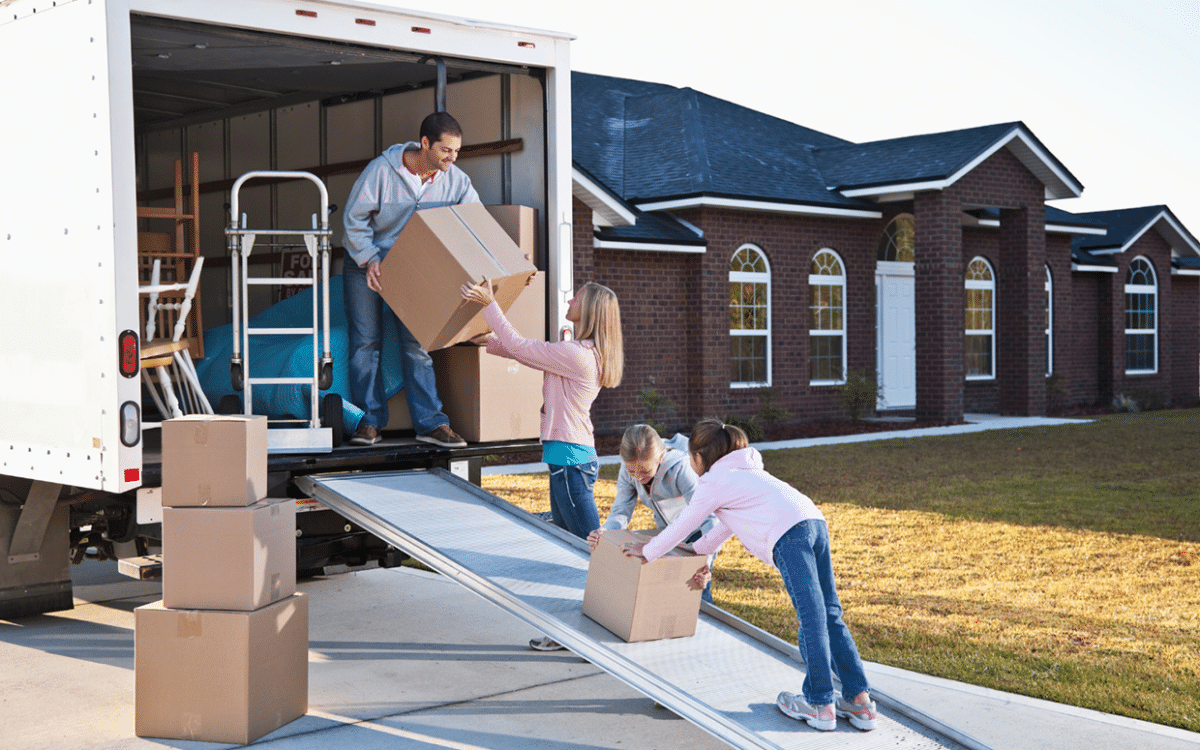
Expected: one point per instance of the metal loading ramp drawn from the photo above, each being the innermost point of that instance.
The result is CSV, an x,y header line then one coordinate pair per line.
x,y
724,679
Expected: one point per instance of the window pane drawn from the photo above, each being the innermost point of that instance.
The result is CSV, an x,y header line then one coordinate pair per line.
x,y
825,358
979,355
1139,351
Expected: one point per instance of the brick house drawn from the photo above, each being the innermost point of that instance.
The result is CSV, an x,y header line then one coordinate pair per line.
x,y
754,256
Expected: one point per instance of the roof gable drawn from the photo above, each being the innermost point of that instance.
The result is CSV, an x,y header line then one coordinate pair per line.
x,y
1127,225
936,161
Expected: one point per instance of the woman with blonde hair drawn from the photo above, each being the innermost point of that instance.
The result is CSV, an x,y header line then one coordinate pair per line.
x,y
574,371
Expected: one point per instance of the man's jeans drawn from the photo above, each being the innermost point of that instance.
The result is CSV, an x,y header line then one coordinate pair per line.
x,y
364,322
802,556
572,504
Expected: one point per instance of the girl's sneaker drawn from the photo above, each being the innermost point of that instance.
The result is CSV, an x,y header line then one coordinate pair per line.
x,y
860,716
817,717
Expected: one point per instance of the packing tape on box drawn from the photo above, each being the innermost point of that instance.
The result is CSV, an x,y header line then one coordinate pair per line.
x,y
188,625
482,244
200,434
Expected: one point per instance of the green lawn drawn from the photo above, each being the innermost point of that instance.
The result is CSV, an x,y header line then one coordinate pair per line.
x,y
1056,562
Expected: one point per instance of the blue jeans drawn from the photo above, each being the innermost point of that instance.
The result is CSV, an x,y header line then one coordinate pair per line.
x,y
802,556
364,322
572,504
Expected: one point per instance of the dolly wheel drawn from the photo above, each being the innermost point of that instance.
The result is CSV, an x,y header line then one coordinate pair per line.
x,y
331,416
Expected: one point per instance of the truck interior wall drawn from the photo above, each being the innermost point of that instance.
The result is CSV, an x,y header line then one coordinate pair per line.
x,y
304,136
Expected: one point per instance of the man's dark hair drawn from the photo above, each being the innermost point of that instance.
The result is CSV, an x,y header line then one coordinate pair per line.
x,y
438,124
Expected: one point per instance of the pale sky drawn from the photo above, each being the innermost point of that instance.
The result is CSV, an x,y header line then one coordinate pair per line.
x,y
1110,87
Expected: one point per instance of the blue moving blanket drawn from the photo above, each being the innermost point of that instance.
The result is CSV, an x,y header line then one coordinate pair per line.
x,y
291,356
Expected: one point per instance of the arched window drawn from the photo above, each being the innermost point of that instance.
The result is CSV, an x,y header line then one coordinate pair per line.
x,y
981,320
898,242
826,319
749,318
1141,319
1049,288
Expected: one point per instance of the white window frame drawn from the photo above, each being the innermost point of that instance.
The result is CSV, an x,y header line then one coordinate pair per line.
x,y
816,280
1049,289
741,277
989,285
1148,289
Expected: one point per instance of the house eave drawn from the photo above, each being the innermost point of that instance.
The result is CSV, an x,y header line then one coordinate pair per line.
x,y
741,204
606,210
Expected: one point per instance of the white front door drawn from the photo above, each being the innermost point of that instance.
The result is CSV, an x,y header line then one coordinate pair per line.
x,y
896,342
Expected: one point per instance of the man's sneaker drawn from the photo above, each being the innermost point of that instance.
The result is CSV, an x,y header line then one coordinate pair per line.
x,y
861,717
546,643
365,435
817,717
443,436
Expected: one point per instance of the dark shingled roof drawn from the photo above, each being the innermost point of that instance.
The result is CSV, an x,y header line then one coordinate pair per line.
x,y
649,141
915,158
1126,224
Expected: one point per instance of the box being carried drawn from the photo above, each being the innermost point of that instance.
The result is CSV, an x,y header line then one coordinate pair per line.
x,y
439,250
642,602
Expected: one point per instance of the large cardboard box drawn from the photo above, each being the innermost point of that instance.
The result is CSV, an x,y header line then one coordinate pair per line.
x,y
486,397
528,312
439,250
214,460
520,223
641,602
229,558
220,676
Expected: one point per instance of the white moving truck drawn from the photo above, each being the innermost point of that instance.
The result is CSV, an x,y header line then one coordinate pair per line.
x,y
103,98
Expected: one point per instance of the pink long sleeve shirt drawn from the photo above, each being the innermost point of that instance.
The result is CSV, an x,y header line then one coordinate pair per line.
x,y
570,383
746,500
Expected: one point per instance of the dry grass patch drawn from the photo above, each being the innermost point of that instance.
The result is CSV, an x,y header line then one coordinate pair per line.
x,y
1048,562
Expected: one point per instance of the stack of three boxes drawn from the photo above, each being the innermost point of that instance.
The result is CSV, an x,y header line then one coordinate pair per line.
x,y
223,657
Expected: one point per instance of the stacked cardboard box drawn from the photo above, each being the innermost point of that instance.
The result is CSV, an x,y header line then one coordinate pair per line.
x,y
224,656
642,602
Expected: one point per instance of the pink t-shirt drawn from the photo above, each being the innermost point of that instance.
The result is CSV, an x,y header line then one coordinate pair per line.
x,y
746,500
570,383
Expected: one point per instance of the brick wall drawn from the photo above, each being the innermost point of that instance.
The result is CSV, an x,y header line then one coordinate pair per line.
x,y
675,309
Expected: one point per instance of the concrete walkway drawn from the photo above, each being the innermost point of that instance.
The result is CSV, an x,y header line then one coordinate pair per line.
x,y
974,423
402,658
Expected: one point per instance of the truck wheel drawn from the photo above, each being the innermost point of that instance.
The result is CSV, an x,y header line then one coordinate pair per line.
x,y
331,416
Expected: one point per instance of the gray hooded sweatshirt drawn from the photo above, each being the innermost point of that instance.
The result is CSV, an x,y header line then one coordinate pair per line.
x,y
381,203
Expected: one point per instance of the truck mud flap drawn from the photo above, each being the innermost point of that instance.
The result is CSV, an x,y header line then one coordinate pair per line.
x,y
724,679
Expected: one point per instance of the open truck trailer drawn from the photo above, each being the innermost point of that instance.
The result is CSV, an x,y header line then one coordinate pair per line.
x,y
106,98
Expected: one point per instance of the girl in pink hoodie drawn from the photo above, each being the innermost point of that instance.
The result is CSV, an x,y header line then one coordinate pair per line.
x,y
784,528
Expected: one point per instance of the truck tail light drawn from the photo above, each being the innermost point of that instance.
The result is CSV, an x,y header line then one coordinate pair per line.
x,y
127,353
131,423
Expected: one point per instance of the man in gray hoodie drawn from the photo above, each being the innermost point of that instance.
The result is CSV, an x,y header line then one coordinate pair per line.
x,y
404,178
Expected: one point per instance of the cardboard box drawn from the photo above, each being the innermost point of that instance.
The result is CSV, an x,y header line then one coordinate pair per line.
x,y
528,312
641,602
220,676
439,250
214,460
520,223
487,397
229,558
